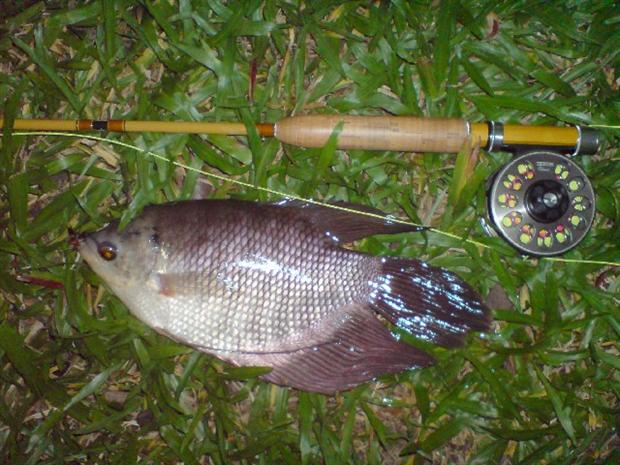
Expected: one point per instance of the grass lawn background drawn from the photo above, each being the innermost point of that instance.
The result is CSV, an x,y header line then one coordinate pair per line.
x,y
82,381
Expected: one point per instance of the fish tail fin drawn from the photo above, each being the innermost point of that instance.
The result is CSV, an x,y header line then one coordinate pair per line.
x,y
428,302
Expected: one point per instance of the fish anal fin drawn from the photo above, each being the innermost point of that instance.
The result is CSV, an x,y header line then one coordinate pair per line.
x,y
347,222
359,350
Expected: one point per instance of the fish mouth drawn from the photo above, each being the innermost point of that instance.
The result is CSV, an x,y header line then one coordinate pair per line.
x,y
84,244
76,239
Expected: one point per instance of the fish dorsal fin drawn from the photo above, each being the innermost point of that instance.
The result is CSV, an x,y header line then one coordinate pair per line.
x,y
346,222
357,350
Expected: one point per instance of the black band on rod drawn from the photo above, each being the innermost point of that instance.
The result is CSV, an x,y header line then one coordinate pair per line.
x,y
100,125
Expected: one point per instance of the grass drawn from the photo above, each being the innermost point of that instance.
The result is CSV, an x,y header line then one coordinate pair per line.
x,y
82,381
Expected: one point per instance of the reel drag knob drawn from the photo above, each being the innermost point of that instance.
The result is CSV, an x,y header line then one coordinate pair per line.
x,y
542,203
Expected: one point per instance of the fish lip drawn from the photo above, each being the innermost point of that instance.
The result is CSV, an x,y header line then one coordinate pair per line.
x,y
86,244
76,239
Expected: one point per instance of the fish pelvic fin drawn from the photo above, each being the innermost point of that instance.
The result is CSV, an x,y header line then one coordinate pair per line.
x,y
430,303
347,222
360,349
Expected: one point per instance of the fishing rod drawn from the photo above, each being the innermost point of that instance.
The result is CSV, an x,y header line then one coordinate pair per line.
x,y
398,133
541,202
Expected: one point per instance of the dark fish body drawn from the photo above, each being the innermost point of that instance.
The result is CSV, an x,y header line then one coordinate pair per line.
x,y
271,285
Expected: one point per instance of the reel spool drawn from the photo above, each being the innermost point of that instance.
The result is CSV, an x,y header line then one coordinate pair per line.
x,y
542,203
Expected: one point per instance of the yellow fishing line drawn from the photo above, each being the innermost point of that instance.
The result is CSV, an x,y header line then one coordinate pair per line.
x,y
290,196
579,260
603,126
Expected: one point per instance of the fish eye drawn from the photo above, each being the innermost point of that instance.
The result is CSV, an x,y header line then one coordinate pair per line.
x,y
107,251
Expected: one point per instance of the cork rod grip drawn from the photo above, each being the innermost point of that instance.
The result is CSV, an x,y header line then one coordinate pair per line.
x,y
399,133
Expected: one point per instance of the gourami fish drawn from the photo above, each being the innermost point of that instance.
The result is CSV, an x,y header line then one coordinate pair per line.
x,y
270,285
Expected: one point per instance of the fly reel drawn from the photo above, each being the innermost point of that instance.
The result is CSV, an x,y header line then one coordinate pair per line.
x,y
541,203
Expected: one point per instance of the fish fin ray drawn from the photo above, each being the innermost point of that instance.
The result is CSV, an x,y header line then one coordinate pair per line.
x,y
185,284
429,302
359,350
347,222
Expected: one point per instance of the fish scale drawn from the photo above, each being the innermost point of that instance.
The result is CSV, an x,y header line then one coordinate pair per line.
x,y
245,276
271,285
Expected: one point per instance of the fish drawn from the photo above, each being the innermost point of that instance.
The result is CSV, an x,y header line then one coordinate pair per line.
x,y
274,285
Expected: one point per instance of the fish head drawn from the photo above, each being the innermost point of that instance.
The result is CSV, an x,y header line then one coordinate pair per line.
x,y
123,259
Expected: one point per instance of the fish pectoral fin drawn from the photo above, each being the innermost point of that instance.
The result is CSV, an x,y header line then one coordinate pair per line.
x,y
360,349
348,222
186,283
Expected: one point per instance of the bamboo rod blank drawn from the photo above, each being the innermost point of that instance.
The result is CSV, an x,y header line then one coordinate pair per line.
x,y
44,124
188,127
184,127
